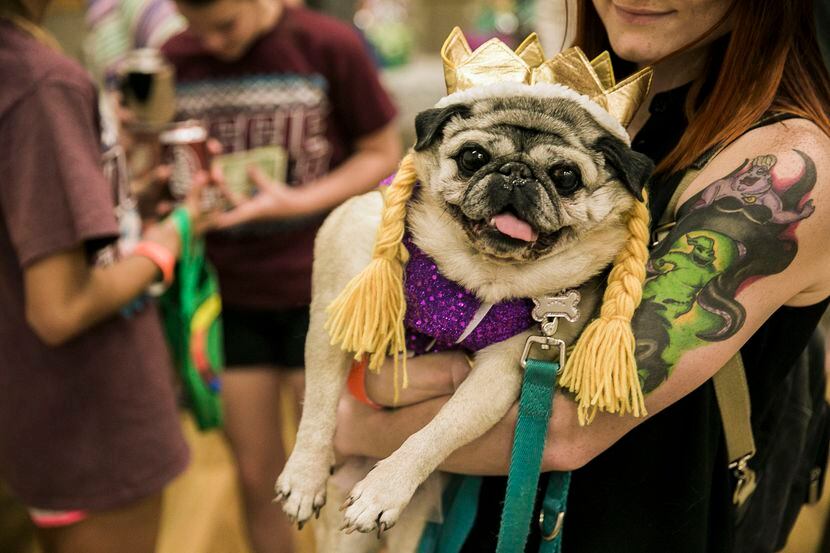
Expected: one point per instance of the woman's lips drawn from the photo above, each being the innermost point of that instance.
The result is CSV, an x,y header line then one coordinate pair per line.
x,y
640,16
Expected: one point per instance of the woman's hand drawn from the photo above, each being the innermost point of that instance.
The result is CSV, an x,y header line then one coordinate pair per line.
x,y
273,200
201,205
429,376
375,157
151,193
166,233
362,430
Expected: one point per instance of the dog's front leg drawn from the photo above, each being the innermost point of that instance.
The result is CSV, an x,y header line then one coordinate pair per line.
x,y
302,484
479,403
342,249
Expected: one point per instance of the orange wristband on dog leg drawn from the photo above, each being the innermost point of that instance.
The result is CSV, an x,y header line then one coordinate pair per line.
x,y
357,383
161,256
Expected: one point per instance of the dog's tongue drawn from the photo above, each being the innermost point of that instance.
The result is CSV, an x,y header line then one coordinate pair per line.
x,y
514,227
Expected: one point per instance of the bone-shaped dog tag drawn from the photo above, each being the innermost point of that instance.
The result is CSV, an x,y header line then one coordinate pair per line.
x,y
553,306
547,311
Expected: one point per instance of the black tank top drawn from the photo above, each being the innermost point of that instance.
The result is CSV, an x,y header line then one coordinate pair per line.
x,y
664,486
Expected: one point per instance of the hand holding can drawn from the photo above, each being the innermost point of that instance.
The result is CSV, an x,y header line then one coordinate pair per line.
x,y
184,149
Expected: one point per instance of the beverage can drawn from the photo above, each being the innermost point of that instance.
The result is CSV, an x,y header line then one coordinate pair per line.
x,y
184,149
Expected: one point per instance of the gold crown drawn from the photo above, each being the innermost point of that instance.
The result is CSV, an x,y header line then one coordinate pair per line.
x,y
494,62
766,161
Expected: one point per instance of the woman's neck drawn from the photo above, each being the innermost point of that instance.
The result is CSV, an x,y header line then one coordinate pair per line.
x,y
669,74
678,70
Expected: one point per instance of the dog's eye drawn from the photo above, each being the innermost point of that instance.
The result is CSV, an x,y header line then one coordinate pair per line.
x,y
472,159
566,179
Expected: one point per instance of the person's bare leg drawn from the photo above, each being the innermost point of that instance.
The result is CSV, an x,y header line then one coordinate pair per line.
x,y
132,529
253,426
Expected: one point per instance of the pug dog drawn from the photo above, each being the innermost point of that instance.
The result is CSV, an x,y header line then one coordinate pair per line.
x,y
520,195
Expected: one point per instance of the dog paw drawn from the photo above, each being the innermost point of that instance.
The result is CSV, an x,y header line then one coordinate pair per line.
x,y
376,502
302,488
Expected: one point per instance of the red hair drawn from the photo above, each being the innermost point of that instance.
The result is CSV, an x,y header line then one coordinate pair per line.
x,y
770,62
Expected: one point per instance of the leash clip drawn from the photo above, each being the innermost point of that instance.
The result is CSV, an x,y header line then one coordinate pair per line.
x,y
557,528
745,481
547,311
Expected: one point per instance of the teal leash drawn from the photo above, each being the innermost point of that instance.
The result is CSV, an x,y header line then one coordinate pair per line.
x,y
553,512
535,408
460,500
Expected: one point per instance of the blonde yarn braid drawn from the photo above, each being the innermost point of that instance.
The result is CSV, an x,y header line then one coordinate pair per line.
x,y
602,370
367,317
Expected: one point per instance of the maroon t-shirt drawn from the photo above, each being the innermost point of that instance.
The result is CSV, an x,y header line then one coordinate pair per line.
x,y
308,86
91,424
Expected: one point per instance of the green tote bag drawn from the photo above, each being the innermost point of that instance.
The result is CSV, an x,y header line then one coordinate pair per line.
x,y
191,310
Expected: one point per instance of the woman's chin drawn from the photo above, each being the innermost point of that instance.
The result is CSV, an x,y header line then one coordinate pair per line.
x,y
637,48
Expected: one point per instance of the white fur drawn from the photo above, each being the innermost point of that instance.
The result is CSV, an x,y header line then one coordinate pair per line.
x,y
539,90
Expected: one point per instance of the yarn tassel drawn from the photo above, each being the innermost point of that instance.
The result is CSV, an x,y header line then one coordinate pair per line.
x,y
602,370
367,317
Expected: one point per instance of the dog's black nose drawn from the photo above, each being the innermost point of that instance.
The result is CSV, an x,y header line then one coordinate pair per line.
x,y
516,169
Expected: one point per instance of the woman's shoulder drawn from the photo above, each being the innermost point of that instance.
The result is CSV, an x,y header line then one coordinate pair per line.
x,y
781,148
27,65
796,133
778,176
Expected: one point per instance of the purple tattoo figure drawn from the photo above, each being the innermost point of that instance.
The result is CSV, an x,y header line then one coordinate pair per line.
x,y
754,187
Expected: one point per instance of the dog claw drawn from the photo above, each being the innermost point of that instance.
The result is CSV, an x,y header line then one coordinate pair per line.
x,y
317,512
301,524
381,528
346,504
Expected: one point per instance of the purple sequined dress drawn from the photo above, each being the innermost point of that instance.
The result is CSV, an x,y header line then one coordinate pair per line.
x,y
438,310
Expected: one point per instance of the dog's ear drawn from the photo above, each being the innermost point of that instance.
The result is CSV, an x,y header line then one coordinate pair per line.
x,y
429,124
632,168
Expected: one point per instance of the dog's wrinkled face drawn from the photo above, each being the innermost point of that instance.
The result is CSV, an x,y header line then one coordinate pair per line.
x,y
525,177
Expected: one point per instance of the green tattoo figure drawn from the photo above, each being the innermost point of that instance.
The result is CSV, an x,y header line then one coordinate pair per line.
x,y
680,276
723,241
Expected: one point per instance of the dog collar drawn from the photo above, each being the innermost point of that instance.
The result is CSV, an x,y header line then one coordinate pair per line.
x,y
442,315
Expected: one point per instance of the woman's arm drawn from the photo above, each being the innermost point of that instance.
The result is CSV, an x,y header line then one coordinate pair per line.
x,y
734,261
362,430
375,158
65,295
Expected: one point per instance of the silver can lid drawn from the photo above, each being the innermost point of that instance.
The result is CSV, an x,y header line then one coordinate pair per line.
x,y
184,133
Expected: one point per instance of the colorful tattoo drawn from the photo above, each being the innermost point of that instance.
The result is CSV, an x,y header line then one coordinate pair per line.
x,y
737,230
